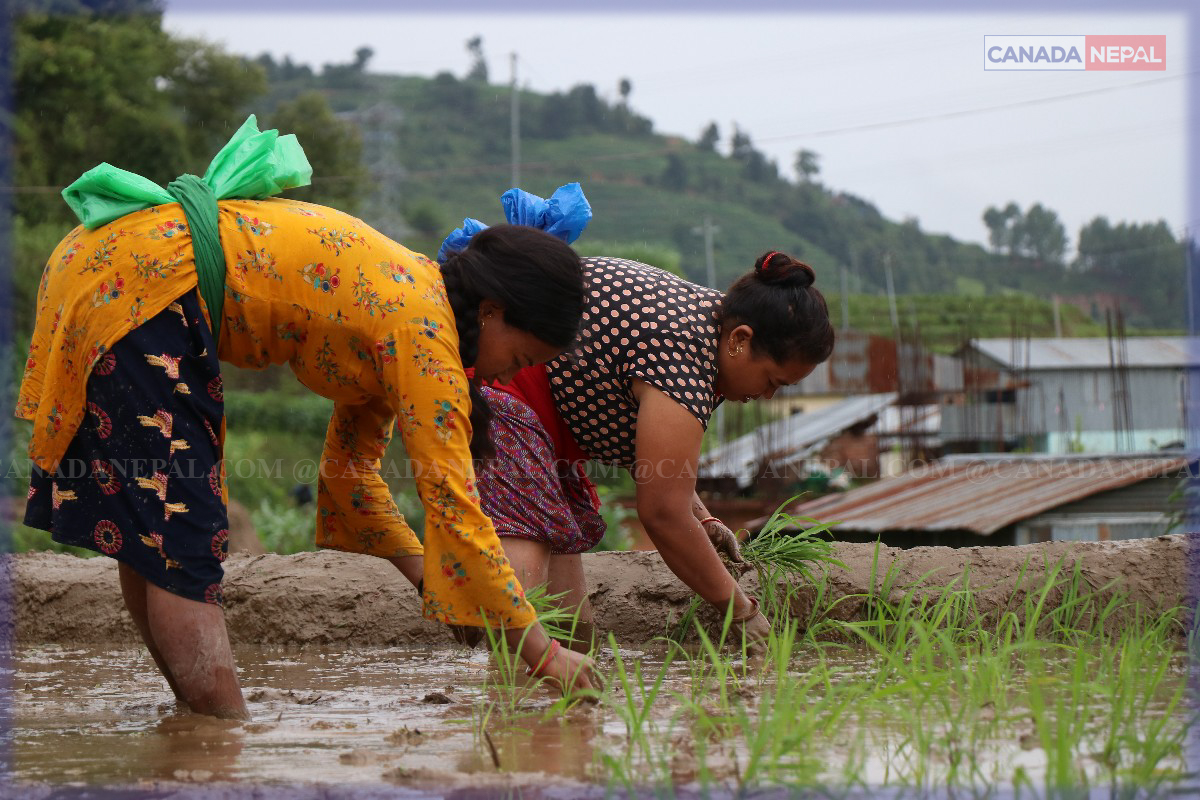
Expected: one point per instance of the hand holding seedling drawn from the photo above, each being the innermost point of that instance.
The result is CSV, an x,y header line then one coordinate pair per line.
x,y
566,669
754,628
725,541
467,635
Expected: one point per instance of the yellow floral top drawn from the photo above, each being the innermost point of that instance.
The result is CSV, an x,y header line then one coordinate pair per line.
x,y
360,319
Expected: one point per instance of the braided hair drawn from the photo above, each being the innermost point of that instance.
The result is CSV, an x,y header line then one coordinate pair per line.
x,y
537,279
787,313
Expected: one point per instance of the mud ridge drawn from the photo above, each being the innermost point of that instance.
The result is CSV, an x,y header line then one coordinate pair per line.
x,y
336,598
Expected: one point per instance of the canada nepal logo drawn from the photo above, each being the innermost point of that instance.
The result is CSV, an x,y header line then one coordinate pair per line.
x,y
1075,52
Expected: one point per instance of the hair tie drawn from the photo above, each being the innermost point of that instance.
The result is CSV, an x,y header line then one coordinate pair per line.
x,y
767,260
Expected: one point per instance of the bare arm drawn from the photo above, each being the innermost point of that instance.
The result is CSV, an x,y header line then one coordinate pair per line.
x,y
668,450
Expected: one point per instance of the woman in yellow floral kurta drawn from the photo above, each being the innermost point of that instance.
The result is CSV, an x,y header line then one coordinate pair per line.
x,y
361,320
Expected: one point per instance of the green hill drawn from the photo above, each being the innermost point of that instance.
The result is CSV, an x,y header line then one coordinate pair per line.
x,y
414,155
448,141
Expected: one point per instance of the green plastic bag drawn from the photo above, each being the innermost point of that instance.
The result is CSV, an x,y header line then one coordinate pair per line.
x,y
253,164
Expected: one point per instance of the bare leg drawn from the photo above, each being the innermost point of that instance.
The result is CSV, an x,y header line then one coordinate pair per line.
x,y
534,565
133,589
566,575
529,559
194,644
411,567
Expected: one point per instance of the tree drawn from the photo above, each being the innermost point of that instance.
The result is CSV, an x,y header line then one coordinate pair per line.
x,y
333,147
1000,223
675,174
625,88
1096,249
361,56
756,166
1144,261
1040,235
740,145
213,88
427,218
807,166
709,138
478,70
88,89
578,111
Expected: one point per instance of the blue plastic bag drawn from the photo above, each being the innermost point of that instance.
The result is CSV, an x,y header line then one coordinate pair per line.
x,y
564,215
458,240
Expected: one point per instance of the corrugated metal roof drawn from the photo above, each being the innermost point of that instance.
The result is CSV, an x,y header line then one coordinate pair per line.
x,y
790,440
981,495
1090,353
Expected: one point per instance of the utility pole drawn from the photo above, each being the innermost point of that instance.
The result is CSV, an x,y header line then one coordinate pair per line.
x,y
1189,267
707,230
845,298
891,290
516,124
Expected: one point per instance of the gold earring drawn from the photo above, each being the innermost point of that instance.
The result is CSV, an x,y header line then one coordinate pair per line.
x,y
733,353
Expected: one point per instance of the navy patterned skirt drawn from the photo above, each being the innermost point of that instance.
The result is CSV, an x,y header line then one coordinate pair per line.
x,y
141,481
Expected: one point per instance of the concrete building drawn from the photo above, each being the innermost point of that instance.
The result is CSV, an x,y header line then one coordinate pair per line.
x,y
1088,395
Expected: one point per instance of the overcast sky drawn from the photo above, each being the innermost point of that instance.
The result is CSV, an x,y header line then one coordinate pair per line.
x,y
899,107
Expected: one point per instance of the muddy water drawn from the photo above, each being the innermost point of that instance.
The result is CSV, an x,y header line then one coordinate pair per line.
x,y
403,717
397,715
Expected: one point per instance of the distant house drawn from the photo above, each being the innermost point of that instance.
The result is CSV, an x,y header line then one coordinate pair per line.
x,y
1090,395
964,501
836,435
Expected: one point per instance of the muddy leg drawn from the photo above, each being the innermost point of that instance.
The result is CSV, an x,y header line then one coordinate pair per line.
x,y
194,644
566,575
133,589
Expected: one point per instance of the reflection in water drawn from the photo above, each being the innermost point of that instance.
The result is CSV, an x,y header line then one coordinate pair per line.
x,y
316,717
554,746
417,718
192,747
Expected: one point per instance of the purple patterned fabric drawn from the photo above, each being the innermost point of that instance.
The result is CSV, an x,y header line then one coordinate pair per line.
x,y
525,491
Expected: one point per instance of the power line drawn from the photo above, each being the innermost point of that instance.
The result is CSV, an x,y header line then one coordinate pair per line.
x,y
489,167
871,126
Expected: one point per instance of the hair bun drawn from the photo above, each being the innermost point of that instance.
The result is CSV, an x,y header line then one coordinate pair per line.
x,y
780,269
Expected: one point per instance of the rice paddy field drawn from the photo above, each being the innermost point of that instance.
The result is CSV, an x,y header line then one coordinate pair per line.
x,y
1067,690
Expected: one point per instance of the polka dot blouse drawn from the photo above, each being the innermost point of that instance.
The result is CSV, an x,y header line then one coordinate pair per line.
x,y
640,323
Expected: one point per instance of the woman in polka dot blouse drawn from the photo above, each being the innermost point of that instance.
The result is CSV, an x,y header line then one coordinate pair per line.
x,y
655,356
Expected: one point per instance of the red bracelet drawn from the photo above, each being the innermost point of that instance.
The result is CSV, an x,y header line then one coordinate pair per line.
x,y
707,520
547,657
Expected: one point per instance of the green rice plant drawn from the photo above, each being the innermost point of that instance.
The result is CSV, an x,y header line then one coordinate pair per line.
x,y
507,696
933,693
559,622
791,714
791,554
637,699
778,553
510,690
1144,726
